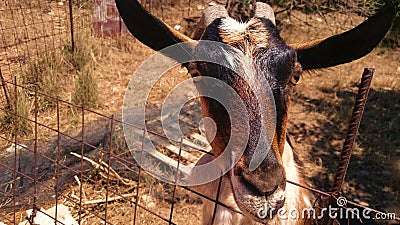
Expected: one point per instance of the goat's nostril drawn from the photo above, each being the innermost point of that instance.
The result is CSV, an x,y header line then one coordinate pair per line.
x,y
268,193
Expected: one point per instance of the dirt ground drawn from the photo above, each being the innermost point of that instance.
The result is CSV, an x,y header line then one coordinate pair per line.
x,y
320,110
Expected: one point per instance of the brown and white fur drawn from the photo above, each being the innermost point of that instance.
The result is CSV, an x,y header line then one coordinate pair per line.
x,y
296,197
272,63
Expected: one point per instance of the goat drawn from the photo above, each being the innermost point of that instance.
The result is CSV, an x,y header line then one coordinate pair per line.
x,y
273,65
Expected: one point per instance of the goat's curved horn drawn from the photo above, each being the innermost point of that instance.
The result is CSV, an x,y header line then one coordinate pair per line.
x,y
149,30
210,14
263,10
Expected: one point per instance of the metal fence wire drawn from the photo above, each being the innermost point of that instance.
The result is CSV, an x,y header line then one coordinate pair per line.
x,y
61,158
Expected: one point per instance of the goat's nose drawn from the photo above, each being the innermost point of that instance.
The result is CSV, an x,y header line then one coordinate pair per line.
x,y
272,191
266,179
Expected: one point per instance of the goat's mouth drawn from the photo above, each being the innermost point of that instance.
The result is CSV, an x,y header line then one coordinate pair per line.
x,y
254,204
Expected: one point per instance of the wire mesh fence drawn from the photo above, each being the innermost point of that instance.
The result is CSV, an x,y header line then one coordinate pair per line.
x,y
62,156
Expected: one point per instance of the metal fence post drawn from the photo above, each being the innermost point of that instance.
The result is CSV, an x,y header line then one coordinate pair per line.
x,y
71,21
3,84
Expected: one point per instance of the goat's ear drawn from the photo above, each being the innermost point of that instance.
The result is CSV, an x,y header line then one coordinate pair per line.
x,y
151,31
345,47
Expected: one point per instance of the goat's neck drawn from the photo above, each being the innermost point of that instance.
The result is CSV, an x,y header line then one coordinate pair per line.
x,y
296,197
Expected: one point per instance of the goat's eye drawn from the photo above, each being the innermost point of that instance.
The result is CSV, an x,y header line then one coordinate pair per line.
x,y
295,79
296,75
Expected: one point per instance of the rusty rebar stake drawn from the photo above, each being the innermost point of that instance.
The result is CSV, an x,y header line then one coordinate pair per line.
x,y
3,84
354,125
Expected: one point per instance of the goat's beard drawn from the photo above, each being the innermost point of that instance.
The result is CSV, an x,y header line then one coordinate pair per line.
x,y
251,202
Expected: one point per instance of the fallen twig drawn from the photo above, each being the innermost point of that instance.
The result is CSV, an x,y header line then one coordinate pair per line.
x,y
110,199
106,169
80,184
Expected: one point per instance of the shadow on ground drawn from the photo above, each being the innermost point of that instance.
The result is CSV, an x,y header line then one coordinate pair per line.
x,y
373,176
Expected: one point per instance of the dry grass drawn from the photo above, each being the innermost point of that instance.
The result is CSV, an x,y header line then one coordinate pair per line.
x,y
63,74
12,121
45,74
86,90
84,47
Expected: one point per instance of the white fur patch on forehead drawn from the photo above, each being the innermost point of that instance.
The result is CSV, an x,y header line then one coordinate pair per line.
x,y
231,25
246,36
